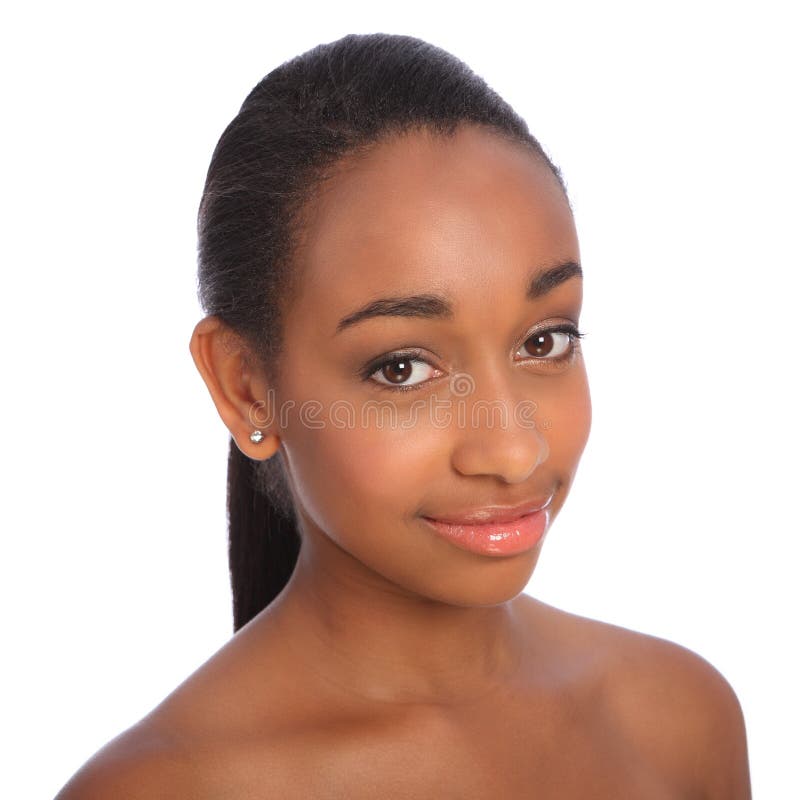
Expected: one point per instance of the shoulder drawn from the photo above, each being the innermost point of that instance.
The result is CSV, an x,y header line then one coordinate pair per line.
x,y
672,707
145,762
683,713
204,740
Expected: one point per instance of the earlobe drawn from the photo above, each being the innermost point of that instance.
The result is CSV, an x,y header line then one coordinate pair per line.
x,y
224,363
259,446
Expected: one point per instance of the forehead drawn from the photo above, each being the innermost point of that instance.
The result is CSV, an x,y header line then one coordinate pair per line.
x,y
422,212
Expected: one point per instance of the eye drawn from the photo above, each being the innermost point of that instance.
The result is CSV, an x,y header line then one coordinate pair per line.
x,y
554,344
409,371
399,371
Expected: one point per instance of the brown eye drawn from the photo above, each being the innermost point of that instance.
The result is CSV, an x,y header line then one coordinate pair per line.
x,y
548,345
540,344
397,371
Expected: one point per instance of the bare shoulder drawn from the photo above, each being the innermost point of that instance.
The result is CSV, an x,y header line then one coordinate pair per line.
x,y
682,712
220,733
144,762
674,707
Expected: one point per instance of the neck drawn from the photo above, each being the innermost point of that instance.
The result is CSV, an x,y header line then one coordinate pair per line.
x,y
362,634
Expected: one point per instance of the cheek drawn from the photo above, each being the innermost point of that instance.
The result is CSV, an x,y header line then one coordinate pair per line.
x,y
567,421
353,476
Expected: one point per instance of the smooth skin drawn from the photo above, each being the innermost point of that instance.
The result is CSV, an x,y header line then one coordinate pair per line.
x,y
395,664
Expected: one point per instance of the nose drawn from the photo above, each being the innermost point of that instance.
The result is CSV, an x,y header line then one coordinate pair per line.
x,y
497,435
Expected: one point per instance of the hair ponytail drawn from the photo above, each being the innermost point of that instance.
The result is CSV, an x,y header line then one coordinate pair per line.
x,y
263,542
332,101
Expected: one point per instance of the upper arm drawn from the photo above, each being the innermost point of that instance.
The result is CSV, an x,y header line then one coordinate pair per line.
x,y
688,720
718,736
136,765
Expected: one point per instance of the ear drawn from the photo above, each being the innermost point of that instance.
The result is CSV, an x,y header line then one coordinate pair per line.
x,y
236,385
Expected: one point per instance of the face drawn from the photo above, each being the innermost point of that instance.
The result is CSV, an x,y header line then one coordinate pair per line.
x,y
462,399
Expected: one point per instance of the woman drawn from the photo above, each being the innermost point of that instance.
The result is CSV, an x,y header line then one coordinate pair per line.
x,y
391,276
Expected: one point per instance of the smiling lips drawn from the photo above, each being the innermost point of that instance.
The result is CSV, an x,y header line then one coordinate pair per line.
x,y
495,530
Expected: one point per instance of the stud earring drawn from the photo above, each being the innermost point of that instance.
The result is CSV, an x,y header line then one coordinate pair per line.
x,y
256,437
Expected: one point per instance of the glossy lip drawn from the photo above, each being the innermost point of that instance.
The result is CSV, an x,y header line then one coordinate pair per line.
x,y
496,538
493,514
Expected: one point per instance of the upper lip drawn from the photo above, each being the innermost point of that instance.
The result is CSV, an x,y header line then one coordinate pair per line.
x,y
490,514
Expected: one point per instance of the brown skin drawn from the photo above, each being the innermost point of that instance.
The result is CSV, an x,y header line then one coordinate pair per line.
x,y
395,664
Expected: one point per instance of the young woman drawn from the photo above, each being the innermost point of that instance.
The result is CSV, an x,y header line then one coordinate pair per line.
x,y
391,276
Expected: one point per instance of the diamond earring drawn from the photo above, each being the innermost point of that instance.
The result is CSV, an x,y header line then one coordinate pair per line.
x,y
256,437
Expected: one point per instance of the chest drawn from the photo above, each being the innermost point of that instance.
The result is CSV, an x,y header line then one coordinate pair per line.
x,y
510,759
505,753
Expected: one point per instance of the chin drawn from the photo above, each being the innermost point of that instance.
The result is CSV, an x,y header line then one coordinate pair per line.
x,y
474,581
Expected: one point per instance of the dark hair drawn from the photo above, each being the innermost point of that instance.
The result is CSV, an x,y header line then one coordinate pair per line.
x,y
337,99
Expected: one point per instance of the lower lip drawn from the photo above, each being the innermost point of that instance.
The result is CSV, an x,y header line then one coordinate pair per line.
x,y
497,538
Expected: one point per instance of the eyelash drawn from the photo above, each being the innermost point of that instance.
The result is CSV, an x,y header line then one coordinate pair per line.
x,y
413,355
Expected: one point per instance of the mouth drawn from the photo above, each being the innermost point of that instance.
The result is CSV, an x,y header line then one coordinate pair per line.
x,y
495,531
488,515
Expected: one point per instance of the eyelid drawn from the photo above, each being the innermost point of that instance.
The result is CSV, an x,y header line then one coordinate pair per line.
x,y
563,326
412,354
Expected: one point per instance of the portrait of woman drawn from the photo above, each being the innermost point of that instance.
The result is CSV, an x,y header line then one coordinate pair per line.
x,y
391,282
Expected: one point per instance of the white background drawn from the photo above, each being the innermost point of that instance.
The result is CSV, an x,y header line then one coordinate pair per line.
x,y
674,125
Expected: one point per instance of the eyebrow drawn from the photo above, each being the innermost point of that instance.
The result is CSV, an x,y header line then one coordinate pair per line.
x,y
435,306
